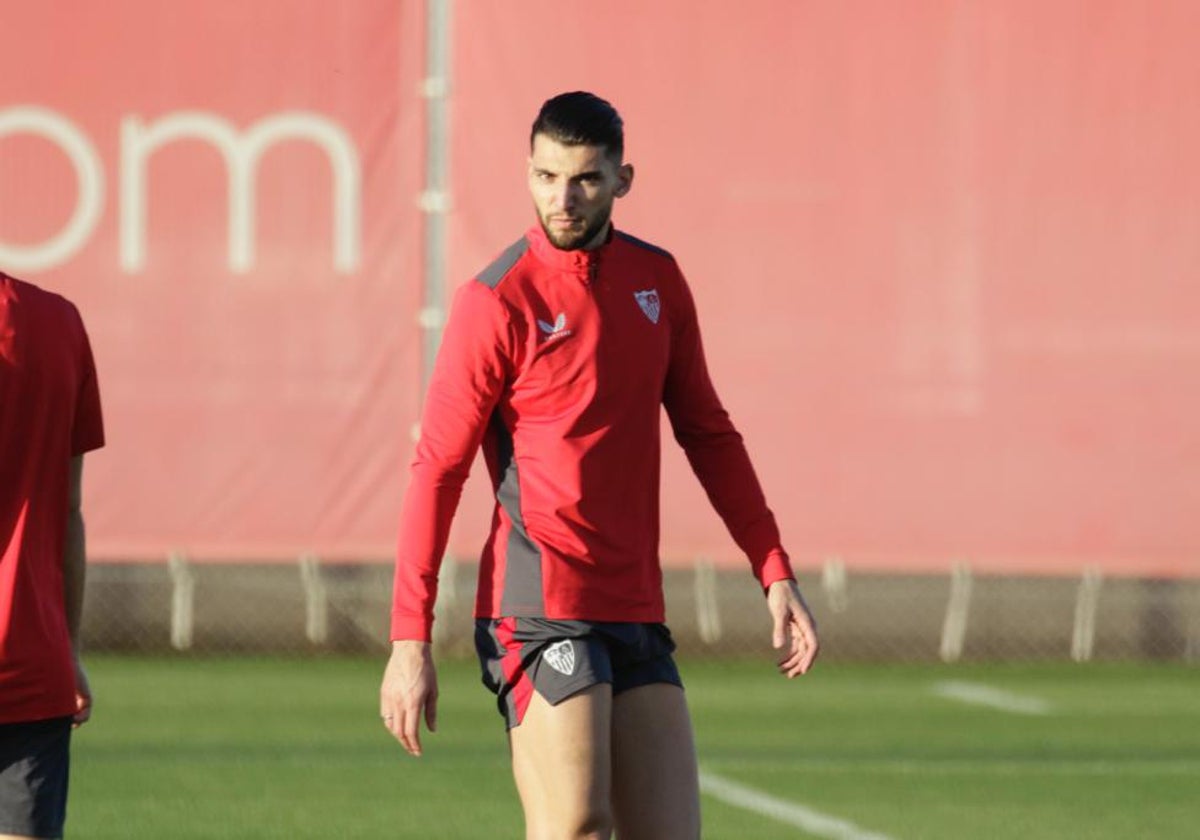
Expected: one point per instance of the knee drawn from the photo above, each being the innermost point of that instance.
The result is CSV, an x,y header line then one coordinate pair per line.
x,y
593,823
597,824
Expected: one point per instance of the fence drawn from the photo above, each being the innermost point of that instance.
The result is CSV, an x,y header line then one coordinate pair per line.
x,y
308,607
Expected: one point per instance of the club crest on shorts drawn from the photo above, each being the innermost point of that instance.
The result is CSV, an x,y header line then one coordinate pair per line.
x,y
648,300
561,657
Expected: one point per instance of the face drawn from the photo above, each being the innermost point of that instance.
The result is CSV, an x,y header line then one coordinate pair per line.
x,y
573,189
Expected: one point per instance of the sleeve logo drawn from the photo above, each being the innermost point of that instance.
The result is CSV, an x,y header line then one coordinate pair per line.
x,y
556,330
648,301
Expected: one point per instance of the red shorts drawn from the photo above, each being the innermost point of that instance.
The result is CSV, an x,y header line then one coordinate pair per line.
x,y
561,658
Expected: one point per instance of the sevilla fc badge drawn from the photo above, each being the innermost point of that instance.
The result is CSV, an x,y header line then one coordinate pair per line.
x,y
561,657
648,300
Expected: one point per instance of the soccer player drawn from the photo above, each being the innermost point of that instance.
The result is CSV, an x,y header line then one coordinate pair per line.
x,y
557,358
49,417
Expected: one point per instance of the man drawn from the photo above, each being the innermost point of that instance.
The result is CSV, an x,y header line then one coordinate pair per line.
x,y
557,358
49,417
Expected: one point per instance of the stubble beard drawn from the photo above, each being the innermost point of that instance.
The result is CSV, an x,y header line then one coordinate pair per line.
x,y
568,240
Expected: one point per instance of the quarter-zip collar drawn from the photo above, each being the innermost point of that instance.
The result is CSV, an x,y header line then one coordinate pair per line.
x,y
584,265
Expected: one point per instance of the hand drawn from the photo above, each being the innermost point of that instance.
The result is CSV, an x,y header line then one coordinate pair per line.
x,y
794,629
83,697
409,689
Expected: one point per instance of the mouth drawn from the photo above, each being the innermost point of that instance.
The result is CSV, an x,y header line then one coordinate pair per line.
x,y
564,222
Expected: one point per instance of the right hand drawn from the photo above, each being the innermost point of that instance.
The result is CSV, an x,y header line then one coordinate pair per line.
x,y
409,690
83,697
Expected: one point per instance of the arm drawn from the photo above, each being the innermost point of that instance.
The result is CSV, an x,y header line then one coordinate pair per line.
x,y
74,574
719,459
87,433
471,371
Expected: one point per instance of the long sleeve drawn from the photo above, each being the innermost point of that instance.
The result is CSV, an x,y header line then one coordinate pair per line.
x,y
472,367
715,449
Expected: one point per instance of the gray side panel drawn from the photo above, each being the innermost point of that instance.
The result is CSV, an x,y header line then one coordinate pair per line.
x,y
494,273
633,240
523,559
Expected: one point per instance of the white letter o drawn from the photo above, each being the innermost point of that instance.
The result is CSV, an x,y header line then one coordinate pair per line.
x,y
89,175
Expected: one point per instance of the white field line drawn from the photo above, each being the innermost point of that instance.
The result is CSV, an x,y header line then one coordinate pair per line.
x,y
791,813
995,698
987,767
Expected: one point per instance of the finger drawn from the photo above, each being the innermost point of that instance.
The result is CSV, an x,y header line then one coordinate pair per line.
x,y
778,634
791,654
431,713
789,665
807,655
388,718
83,710
805,663
803,651
411,729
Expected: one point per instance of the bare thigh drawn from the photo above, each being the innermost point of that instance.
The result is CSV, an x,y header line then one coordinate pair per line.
x,y
562,763
656,789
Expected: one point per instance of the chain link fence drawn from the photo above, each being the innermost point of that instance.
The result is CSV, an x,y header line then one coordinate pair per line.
x,y
307,607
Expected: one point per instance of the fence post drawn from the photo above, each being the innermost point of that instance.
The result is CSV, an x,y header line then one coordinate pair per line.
x,y
316,600
183,600
833,581
1191,649
1083,638
958,607
708,612
447,601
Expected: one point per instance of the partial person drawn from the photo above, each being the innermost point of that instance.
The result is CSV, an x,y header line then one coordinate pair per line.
x,y
557,358
49,417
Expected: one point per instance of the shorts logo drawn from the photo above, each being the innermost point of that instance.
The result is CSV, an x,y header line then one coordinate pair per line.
x,y
649,302
561,657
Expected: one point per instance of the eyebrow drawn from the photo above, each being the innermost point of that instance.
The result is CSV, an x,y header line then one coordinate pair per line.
x,y
589,173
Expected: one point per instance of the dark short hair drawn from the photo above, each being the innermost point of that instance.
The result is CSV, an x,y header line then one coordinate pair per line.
x,y
581,119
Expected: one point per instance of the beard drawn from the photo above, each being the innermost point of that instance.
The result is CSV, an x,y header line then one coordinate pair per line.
x,y
574,239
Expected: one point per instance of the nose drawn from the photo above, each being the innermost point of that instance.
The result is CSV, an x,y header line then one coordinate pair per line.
x,y
567,196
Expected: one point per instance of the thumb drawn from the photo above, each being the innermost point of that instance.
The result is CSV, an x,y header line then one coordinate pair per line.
x,y
777,635
431,713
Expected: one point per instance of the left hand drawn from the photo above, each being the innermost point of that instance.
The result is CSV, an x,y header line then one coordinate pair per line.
x,y
794,630
83,697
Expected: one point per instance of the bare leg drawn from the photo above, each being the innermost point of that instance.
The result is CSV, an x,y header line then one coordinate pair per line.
x,y
563,766
656,789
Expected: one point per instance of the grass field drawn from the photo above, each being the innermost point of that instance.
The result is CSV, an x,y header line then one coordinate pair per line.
x,y
268,748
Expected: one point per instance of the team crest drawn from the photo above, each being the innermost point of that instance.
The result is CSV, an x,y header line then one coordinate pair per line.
x,y
561,657
648,300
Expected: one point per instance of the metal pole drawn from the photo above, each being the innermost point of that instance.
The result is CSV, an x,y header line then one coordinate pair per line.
x,y
435,199
316,600
1083,637
183,600
954,628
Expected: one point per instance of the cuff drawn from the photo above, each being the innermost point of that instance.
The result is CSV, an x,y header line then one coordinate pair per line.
x,y
417,628
776,566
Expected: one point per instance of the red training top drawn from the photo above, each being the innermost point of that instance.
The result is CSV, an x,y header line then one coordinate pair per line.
x,y
557,361
49,412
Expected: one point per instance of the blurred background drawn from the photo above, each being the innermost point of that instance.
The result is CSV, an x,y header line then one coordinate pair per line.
x,y
945,256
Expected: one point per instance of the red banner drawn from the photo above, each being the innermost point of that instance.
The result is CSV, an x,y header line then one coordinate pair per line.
x,y
943,252
228,191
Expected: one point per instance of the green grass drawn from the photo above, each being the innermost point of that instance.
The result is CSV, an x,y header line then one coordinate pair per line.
x,y
266,748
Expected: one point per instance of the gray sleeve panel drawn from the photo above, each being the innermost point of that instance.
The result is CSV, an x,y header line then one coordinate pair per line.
x,y
633,240
494,273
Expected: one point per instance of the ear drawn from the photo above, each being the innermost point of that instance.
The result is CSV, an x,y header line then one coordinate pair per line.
x,y
624,180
